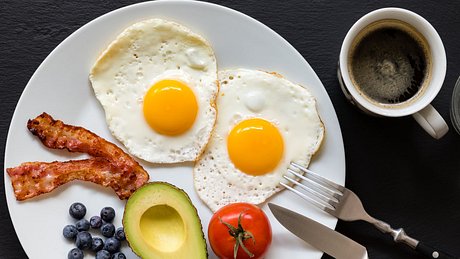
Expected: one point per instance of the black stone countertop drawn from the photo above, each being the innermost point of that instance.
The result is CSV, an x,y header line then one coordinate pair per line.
x,y
402,175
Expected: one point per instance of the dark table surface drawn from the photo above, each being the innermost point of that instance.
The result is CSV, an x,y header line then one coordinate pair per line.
x,y
402,175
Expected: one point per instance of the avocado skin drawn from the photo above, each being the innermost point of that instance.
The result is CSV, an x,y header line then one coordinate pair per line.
x,y
148,188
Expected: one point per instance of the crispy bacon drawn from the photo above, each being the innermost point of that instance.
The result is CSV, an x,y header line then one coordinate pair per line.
x,y
110,166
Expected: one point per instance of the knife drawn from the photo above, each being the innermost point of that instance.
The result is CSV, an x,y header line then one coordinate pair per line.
x,y
319,236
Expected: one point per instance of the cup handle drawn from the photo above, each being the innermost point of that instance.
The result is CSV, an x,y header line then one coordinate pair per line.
x,y
431,121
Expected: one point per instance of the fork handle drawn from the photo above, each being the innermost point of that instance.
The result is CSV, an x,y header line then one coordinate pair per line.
x,y
400,236
431,252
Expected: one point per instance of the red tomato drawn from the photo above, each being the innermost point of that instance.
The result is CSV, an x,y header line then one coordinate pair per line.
x,y
243,225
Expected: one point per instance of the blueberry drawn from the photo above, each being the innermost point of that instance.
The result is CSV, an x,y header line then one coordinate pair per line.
x,y
103,254
108,229
77,210
84,240
82,225
95,222
108,214
97,244
118,255
120,234
75,254
70,232
112,245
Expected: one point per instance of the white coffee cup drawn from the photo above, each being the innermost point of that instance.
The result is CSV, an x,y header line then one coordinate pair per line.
x,y
420,108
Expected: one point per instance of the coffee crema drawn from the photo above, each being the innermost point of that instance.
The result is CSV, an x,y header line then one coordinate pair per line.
x,y
390,63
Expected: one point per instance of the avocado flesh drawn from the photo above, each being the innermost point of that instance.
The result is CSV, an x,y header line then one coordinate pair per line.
x,y
160,221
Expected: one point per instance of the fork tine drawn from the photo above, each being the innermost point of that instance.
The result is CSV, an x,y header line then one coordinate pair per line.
x,y
313,201
319,178
314,190
320,192
317,186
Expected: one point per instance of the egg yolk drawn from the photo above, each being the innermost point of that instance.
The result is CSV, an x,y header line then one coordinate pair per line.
x,y
170,107
255,146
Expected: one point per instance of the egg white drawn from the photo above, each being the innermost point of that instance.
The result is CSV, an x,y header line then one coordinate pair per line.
x,y
144,53
246,94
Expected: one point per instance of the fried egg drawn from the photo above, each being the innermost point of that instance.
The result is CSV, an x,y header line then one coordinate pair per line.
x,y
264,123
157,83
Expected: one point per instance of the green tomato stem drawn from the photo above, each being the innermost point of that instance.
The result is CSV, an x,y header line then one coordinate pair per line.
x,y
240,235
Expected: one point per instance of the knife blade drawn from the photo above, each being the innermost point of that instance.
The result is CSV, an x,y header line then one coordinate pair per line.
x,y
317,235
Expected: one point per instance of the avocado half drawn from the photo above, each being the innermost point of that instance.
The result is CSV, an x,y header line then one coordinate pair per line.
x,y
160,221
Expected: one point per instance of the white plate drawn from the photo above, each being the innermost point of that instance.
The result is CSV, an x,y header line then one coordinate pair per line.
x,y
60,87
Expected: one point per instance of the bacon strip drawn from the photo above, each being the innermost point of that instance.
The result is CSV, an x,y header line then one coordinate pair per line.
x,y
109,167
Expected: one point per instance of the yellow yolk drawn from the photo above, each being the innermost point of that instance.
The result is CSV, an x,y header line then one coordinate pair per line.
x,y
255,146
170,107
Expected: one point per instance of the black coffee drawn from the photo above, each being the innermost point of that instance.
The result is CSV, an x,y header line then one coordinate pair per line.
x,y
390,62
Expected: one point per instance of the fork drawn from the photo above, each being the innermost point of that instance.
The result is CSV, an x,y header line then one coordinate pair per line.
x,y
344,204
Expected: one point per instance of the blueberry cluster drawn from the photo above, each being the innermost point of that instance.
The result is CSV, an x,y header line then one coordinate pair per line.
x,y
79,232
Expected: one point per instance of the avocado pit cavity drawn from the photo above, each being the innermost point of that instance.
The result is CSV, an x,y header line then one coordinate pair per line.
x,y
162,228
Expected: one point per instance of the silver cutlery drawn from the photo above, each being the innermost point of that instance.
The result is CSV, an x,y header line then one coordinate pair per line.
x,y
323,238
346,205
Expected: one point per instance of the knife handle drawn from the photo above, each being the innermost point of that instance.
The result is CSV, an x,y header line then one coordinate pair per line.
x,y
400,236
431,252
